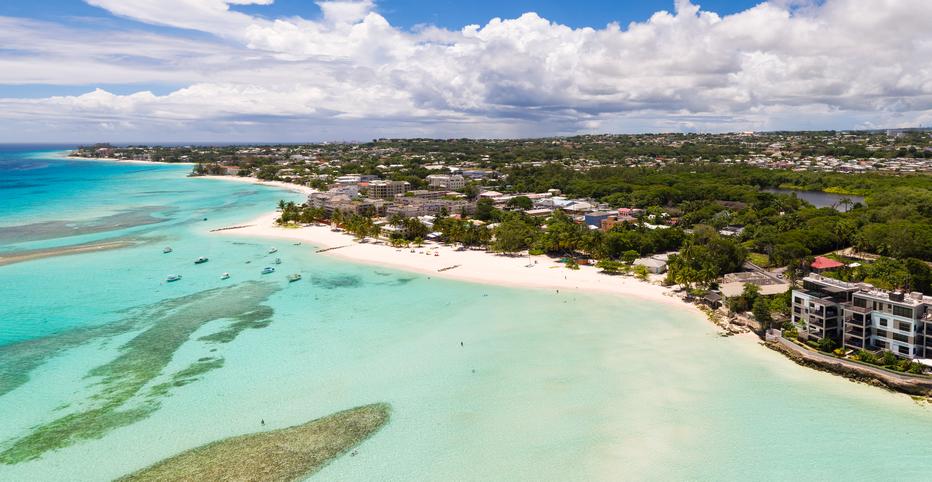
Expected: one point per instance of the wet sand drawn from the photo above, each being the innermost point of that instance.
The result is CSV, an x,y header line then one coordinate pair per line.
x,y
31,255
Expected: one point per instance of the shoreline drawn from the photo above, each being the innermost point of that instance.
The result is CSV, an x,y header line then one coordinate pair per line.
x,y
122,161
296,188
481,267
476,266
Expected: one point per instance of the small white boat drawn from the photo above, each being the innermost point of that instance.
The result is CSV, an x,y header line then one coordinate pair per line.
x,y
273,250
174,277
294,277
268,270
278,261
167,249
225,276
200,260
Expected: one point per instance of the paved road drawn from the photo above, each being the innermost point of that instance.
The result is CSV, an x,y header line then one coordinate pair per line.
x,y
757,269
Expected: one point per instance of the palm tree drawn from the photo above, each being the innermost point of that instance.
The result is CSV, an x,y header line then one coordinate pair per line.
x,y
396,220
337,217
846,202
707,274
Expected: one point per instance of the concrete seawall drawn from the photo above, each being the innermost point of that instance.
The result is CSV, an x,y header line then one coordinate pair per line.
x,y
904,383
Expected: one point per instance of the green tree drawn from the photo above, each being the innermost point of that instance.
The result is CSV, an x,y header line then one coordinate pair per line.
x,y
746,300
785,254
520,202
610,266
513,235
562,235
704,257
415,229
826,345
761,310
471,191
919,276
484,209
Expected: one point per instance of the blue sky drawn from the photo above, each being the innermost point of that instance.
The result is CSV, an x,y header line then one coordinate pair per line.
x,y
301,70
451,14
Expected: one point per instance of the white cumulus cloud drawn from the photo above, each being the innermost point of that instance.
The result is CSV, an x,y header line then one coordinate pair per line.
x,y
780,64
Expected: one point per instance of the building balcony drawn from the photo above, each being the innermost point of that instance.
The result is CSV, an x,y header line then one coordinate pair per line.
x,y
857,309
852,321
854,332
856,345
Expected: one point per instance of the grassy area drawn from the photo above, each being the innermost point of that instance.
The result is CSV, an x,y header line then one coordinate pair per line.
x,y
292,453
759,259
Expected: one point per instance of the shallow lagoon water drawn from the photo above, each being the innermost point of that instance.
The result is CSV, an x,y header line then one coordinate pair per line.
x,y
545,386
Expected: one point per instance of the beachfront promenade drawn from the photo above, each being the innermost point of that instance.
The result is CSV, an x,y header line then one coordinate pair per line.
x,y
903,382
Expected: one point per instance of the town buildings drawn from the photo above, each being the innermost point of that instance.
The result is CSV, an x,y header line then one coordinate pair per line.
x,y
860,316
379,189
821,264
447,182
386,198
656,264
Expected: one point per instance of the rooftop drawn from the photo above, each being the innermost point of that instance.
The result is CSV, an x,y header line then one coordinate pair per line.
x,y
821,262
830,286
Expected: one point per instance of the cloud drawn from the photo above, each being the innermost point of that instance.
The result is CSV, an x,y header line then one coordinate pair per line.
x,y
837,63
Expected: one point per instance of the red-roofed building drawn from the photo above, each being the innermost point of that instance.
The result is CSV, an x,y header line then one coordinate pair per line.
x,y
822,263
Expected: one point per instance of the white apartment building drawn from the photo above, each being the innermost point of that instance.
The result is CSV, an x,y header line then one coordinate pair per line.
x,y
387,189
863,317
449,182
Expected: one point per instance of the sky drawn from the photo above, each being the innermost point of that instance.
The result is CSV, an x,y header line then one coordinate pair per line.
x,y
340,70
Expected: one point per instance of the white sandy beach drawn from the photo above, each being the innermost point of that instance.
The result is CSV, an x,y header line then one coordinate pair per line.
x,y
65,155
305,190
472,265
252,180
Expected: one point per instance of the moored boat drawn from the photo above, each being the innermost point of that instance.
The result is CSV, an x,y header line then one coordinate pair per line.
x,y
268,270
174,277
167,249
225,276
294,277
278,261
273,250
200,260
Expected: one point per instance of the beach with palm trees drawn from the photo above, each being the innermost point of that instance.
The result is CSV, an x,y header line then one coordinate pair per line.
x,y
472,265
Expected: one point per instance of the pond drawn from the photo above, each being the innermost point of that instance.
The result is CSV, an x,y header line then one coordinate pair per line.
x,y
820,199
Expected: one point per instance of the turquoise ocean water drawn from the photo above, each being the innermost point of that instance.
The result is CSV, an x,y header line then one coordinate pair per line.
x,y
106,368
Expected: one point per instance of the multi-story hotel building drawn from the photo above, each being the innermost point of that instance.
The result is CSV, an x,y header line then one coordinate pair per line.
x,y
863,317
386,189
449,182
